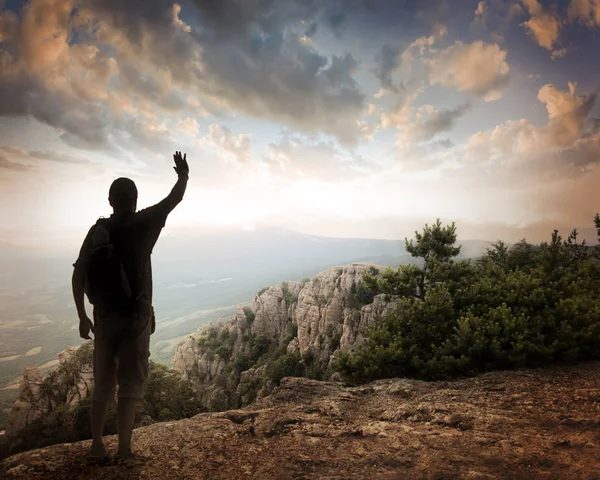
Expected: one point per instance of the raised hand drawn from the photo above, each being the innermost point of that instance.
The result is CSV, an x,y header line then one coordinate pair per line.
x,y
181,166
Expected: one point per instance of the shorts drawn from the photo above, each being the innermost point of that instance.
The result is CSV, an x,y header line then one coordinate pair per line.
x,y
121,354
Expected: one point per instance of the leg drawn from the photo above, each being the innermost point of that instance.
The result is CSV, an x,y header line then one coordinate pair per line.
x,y
98,415
105,377
125,418
132,372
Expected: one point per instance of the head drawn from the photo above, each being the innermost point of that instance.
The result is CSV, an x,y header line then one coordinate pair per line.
x,y
122,195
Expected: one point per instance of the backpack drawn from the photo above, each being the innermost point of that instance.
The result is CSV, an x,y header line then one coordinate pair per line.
x,y
106,283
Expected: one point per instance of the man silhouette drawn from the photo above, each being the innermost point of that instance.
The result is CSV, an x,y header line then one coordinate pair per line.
x,y
122,336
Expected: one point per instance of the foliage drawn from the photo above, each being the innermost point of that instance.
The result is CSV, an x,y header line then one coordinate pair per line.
x,y
291,332
209,338
166,397
363,292
288,296
250,389
524,306
286,365
249,314
261,291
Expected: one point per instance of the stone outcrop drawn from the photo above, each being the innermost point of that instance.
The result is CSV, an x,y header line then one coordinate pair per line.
x,y
311,319
528,424
69,383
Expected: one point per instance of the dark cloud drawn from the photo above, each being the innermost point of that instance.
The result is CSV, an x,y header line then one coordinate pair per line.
x,y
247,56
26,95
336,22
311,30
444,143
387,61
438,121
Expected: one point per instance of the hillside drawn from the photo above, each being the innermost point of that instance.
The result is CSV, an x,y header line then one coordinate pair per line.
x,y
529,424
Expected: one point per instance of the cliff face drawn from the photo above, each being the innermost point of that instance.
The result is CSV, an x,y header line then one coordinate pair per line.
x,y
311,319
69,383
529,424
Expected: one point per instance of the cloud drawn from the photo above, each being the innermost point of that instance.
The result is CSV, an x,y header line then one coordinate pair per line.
x,y
479,69
78,65
428,122
564,145
336,23
189,126
586,11
399,115
543,26
6,164
221,136
387,61
391,58
19,159
296,158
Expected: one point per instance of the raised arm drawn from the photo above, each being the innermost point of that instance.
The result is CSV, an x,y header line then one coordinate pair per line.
x,y
177,192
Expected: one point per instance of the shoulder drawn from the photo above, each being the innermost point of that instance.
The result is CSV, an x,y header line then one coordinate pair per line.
x,y
155,214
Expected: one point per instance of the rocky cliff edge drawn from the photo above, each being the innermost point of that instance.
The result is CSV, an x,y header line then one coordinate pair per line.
x,y
530,424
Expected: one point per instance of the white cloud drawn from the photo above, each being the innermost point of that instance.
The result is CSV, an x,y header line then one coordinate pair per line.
x,y
478,69
544,27
295,159
177,21
189,126
236,145
557,146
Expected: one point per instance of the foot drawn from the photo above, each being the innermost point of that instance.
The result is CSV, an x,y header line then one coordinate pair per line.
x,y
98,450
125,453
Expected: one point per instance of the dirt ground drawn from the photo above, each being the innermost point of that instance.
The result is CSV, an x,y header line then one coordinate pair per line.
x,y
529,424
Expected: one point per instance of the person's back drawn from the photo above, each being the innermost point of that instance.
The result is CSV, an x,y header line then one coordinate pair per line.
x,y
122,328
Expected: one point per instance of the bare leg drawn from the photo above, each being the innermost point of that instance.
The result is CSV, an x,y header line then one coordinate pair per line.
x,y
125,418
97,417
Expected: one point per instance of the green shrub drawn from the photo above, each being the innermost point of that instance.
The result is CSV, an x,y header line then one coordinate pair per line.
x,y
250,389
166,397
334,342
249,314
287,365
524,306
261,291
288,296
291,332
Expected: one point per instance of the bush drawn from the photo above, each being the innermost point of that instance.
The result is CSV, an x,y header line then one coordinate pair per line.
x,y
249,314
291,332
288,296
166,397
250,389
261,291
287,365
524,306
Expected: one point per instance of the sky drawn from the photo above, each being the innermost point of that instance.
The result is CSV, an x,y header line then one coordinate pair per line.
x,y
349,118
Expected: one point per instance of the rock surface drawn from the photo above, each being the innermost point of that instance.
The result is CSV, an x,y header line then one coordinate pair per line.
x,y
70,382
326,313
530,424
